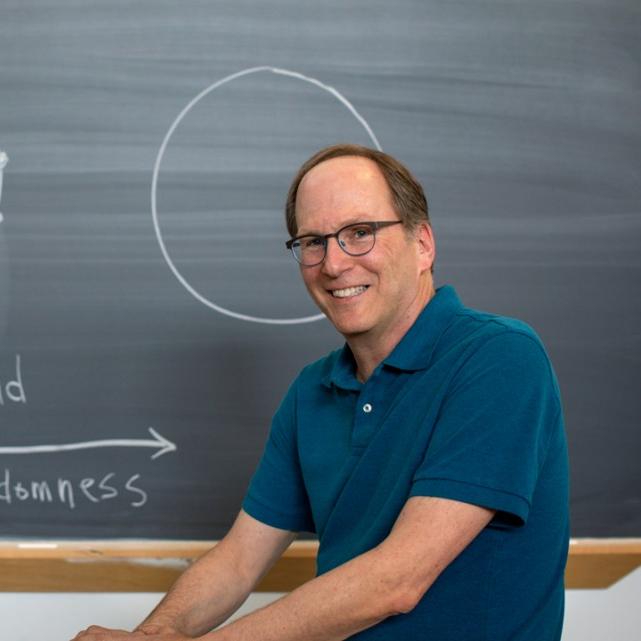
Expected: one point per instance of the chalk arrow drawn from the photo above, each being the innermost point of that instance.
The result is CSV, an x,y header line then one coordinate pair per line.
x,y
160,442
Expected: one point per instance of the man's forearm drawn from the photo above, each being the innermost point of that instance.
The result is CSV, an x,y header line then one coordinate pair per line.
x,y
212,588
203,597
332,607
389,579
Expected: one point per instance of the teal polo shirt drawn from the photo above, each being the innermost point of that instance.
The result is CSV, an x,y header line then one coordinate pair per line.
x,y
466,407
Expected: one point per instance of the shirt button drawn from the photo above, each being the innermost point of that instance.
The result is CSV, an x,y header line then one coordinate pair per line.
x,y
367,408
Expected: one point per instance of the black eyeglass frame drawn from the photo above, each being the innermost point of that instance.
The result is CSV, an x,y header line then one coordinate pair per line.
x,y
375,225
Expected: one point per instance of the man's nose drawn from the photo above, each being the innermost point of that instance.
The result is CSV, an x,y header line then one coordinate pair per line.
x,y
336,260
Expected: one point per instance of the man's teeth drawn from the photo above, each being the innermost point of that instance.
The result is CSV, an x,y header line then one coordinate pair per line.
x,y
350,291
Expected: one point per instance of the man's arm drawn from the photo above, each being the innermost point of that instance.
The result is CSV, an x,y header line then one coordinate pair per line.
x,y
389,579
215,586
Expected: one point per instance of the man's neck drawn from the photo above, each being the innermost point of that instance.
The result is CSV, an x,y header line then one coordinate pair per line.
x,y
369,350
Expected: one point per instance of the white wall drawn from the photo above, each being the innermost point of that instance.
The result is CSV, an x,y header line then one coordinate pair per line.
x,y
591,615
605,615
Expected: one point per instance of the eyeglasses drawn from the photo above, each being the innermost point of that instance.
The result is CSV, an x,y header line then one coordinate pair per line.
x,y
356,239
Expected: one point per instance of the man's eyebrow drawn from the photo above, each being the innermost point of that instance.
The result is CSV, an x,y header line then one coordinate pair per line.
x,y
346,223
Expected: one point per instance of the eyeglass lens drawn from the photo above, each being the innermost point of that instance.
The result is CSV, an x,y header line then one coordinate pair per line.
x,y
355,240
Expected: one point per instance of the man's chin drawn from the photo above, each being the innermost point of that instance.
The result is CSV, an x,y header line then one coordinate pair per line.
x,y
348,322
350,328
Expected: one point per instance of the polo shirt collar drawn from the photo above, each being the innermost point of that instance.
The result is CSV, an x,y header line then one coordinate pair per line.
x,y
413,352
341,370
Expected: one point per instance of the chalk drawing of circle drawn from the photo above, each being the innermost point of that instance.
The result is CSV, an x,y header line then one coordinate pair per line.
x,y
154,183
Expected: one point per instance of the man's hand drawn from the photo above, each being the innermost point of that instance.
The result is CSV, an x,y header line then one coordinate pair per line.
x,y
98,633
143,633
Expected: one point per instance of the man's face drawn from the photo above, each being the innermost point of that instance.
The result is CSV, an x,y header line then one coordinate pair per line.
x,y
379,291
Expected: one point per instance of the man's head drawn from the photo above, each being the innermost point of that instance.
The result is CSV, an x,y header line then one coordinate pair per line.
x,y
408,197
378,293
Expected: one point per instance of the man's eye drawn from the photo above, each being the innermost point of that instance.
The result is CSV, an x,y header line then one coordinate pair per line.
x,y
312,243
360,232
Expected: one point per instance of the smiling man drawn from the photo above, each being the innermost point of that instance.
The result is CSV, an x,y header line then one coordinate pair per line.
x,y
428,453
371,297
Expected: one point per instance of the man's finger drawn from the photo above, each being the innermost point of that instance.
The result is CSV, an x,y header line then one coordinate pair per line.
x,y
99,633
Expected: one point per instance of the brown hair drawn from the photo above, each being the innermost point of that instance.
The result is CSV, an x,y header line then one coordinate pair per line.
x,y
408,196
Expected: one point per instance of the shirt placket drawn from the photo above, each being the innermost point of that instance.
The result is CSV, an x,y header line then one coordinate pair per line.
x,y
368,410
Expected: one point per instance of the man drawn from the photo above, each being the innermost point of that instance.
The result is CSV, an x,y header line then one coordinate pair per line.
x,y
428,454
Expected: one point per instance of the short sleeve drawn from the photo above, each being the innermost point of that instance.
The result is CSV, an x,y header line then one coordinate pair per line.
x,y
491,437
276,494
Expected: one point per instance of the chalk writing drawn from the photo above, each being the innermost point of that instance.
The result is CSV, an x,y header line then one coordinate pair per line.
x,y
70,493
12,390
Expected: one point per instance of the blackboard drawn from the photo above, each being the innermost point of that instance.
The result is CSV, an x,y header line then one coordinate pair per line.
x,y
521,120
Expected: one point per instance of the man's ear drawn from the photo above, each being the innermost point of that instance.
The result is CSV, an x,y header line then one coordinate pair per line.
x,y
426,245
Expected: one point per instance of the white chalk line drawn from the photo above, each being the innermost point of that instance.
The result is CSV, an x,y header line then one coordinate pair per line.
x,y
159,442
154,182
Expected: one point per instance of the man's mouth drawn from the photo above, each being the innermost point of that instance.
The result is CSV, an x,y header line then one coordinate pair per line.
x,y
348,291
